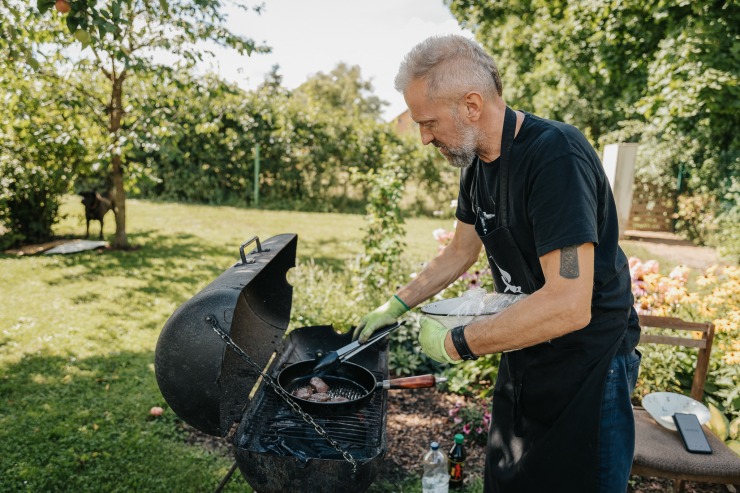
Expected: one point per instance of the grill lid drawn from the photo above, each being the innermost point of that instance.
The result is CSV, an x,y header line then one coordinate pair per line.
x,y
204,382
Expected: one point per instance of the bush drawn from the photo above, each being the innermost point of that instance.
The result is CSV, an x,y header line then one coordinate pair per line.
x,y
29,202
42,146
727,232
405,357
695,217
716,299
322,297
471,418
379,268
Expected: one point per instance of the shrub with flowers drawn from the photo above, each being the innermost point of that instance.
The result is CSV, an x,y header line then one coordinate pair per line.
x,y
472,419
714,295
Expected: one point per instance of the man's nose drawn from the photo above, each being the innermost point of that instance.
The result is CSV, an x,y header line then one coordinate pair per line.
x,y
426,136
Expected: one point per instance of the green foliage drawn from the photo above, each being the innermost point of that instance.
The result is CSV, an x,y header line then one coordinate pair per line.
x,y
714,297
117,39
695,216
726,237
119,28
28,202
474,378
723,388
182,137
471,418
665,369
664,74
195,142
411,483
319,297
318,143
405,357
379,272
44,143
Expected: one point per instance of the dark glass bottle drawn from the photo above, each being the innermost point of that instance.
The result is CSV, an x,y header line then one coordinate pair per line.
x,y
456,462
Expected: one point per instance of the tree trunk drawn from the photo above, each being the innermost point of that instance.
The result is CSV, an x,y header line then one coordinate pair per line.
x,y
116,114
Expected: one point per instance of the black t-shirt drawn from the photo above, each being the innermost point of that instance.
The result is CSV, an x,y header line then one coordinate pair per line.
x,y
558,196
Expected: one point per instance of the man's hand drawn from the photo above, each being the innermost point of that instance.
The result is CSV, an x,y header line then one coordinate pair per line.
x,y
385,314
432,340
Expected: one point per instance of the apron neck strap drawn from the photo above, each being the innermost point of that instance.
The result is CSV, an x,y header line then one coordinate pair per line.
x,y
507,140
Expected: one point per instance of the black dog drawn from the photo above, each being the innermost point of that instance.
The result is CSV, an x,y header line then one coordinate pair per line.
x,y
96,206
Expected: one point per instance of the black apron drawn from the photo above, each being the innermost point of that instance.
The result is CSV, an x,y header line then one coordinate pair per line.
x,y
547,398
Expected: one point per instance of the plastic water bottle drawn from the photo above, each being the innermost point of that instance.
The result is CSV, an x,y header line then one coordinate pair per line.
x,y
436,478
457,462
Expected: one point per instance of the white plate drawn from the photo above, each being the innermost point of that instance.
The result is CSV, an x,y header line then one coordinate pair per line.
x,y
663,405
462,310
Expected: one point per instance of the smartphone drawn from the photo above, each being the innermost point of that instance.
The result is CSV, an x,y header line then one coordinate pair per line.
x,y
692,433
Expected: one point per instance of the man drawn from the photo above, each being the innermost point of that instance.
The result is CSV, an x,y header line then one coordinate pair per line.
x,y
534,194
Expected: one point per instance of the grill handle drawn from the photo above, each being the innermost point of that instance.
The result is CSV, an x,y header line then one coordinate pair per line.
x,y
244,245
417,382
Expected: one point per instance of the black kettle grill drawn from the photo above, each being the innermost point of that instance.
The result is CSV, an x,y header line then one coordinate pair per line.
x,y
210,385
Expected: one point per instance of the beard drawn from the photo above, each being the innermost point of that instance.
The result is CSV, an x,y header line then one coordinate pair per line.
x,y
462,154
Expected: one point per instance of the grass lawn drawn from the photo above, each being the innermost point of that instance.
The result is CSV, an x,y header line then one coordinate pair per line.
x,y
77,338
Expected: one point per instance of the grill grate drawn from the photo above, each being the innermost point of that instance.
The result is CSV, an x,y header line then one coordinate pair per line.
x,y
275,420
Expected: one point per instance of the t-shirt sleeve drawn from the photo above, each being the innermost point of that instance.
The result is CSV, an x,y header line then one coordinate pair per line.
x,y
563,204
464,212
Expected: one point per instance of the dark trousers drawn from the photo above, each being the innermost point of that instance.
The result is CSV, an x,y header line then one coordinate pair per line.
x,y
617,426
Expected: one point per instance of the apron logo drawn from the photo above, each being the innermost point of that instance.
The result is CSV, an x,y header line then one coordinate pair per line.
x,y
484,219
506,277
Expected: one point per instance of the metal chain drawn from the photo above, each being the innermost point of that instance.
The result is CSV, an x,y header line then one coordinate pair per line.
x,y
282,393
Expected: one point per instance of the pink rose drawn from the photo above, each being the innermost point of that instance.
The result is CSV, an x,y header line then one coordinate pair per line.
x,y
156,411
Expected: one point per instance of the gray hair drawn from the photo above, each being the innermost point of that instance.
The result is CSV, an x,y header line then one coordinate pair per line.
x,y
451,65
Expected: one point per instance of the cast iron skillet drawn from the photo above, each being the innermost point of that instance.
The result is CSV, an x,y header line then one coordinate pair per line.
x,y
349,380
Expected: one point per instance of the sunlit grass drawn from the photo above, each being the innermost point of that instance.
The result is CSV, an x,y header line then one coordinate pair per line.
x,y
78,332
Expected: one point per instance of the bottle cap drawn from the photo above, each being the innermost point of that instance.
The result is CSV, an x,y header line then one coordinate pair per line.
x,y
459,438
435,445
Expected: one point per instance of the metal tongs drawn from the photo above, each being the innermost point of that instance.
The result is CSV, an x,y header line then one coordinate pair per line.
x,y
335,358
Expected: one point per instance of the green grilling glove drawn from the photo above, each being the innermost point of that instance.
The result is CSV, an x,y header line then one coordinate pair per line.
x,y
385,314
432,340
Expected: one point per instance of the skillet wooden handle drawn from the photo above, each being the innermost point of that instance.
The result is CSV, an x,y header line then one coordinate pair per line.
x,y
417,382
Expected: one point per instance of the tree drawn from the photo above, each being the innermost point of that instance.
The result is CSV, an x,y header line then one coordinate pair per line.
x,y
665,74
196,142
119,38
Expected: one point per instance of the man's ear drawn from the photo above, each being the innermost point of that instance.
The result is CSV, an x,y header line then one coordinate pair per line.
x,y
473,105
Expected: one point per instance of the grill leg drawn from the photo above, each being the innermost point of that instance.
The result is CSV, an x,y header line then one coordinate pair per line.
x,y
226,479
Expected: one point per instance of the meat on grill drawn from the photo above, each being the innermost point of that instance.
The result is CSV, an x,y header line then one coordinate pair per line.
x,y
315,386
303,392
319,385
317,391
319,397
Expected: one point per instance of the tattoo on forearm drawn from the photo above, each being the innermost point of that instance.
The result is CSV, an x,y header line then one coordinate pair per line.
x,y
569,262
